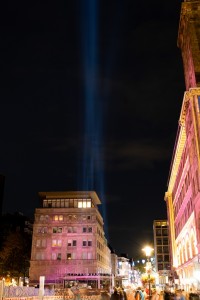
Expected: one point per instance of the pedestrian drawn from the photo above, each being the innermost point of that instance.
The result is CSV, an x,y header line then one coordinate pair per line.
x,y
139,295
115,295
122,294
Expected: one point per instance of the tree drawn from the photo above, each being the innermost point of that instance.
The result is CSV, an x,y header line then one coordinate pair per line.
x,y
15,254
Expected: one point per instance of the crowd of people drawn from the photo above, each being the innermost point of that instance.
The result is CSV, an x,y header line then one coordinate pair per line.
x,y
119,293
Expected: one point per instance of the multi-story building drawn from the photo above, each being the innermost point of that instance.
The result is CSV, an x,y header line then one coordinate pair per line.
x,y
124,272
68,242
161,250
183,193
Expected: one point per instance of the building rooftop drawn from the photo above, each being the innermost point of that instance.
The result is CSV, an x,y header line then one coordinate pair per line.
x,y
70,195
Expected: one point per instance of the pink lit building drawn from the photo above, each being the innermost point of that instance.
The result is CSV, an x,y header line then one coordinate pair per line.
x,y
183,194
68,242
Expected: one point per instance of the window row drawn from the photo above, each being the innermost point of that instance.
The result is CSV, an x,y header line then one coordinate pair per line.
x,y
42,243
68,256
70,203
161,231
184,217
162,241
162,249
72,217
70,229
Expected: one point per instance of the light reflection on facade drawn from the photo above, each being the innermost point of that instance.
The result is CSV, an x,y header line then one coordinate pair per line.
x,y
68,240
183,194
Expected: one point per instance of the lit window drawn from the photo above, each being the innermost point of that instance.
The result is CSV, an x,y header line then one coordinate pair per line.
x,y
56,243
84,204
58,218
89,203
80,204
69,256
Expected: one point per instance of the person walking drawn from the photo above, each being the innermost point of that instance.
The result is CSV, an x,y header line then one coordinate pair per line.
x,y
115,295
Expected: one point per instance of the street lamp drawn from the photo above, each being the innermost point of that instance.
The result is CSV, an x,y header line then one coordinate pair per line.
x,y
148,251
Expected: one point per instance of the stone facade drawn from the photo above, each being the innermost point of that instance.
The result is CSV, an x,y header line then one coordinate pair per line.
x,y
183,193
68,239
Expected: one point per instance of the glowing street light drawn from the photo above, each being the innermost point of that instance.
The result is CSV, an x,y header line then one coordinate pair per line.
x,y
148,250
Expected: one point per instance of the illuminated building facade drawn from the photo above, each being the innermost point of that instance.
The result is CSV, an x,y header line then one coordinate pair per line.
x,y
68,240
183,194
123,277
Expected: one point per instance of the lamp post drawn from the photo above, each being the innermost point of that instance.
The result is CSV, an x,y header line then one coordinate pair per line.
x,y
148,251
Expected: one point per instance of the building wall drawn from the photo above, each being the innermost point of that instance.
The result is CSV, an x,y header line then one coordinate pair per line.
x,y
161,245
183,193
68,241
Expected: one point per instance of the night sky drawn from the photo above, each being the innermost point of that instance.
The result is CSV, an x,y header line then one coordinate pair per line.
x,y
91,93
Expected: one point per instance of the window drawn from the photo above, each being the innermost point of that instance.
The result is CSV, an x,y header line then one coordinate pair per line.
x,y
58,218
69,256
39,256
84,229
89,243
159,241
69,243
42,218
84,243
71,229
84,203
42,230
159,249
165,249
41,243
158,231
56,256
57,229
165,232
89,229
160,258
84,255
165,241
89,255
56,243
166,257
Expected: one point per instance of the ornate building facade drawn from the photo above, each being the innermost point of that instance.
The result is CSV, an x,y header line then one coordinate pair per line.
x,y
183,193
68,243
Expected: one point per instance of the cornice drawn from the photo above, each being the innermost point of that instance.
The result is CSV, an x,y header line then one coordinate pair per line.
x,y
188,95
181,137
